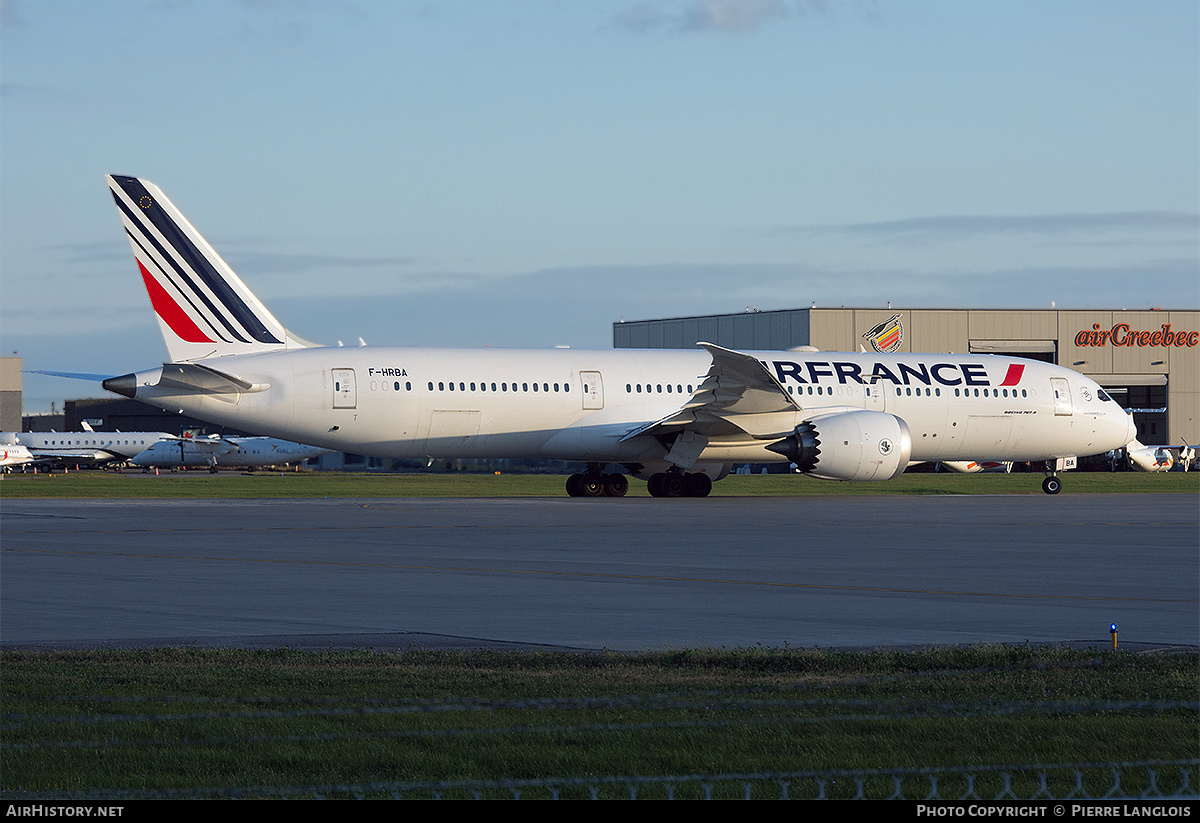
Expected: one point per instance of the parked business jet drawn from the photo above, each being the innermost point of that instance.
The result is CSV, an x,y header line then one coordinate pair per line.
x,y
12,455
91,447
678,419
230,452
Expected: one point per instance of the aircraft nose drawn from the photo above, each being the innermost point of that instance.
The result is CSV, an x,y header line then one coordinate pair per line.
x,y
1130,429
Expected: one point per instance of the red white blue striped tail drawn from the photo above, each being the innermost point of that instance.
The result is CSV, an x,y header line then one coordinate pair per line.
x,y
204,310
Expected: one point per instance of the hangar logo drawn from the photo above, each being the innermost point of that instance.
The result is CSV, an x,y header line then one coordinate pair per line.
x,y
887,336
1122,335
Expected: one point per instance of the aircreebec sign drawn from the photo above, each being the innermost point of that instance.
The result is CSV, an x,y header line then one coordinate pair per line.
x,y
1122,335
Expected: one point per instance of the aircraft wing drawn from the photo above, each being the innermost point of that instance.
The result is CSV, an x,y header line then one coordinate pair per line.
x,y
85,455
200,446
738,397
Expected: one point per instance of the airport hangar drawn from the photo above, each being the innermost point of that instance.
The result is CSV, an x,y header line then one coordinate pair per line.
x,y
1148,360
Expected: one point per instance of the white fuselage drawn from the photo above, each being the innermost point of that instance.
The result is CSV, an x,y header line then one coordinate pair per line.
x,y
229,452
15,455
578,405
88,446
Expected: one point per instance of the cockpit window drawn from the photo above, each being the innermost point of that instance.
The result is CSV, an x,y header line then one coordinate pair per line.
x,y
1103,395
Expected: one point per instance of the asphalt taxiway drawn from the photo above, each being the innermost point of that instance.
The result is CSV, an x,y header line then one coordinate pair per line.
x,y
622,574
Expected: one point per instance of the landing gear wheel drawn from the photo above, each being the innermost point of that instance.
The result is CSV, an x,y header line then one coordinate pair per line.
x,y
592,485
573,484
697,485
1051,485
673,484
615,485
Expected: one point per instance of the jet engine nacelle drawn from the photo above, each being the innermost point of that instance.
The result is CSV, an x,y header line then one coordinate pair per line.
x,y
857,445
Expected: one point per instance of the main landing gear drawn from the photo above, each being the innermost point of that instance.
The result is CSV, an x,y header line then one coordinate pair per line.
x,y
594,484
678,484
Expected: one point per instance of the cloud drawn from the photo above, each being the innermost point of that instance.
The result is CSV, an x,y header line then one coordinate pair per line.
x,y
10,15
729,16
1062,226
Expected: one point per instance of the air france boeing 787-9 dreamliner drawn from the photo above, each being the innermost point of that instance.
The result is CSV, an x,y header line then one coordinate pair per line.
x,y
677,419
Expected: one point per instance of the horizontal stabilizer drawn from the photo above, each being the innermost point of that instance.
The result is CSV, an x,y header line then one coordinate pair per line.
x,y
187,378
195,377
74,375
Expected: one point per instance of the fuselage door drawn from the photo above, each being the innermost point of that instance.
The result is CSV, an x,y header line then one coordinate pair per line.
x,y
875,396
1062,395
593,389
345,395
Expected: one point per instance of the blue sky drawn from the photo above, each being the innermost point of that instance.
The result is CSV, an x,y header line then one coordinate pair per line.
x,y
525,173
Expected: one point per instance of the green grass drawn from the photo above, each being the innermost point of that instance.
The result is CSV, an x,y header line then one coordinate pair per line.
x,y
104,484
189,719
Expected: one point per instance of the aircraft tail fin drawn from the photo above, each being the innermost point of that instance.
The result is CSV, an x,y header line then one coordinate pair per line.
x,y
204,309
